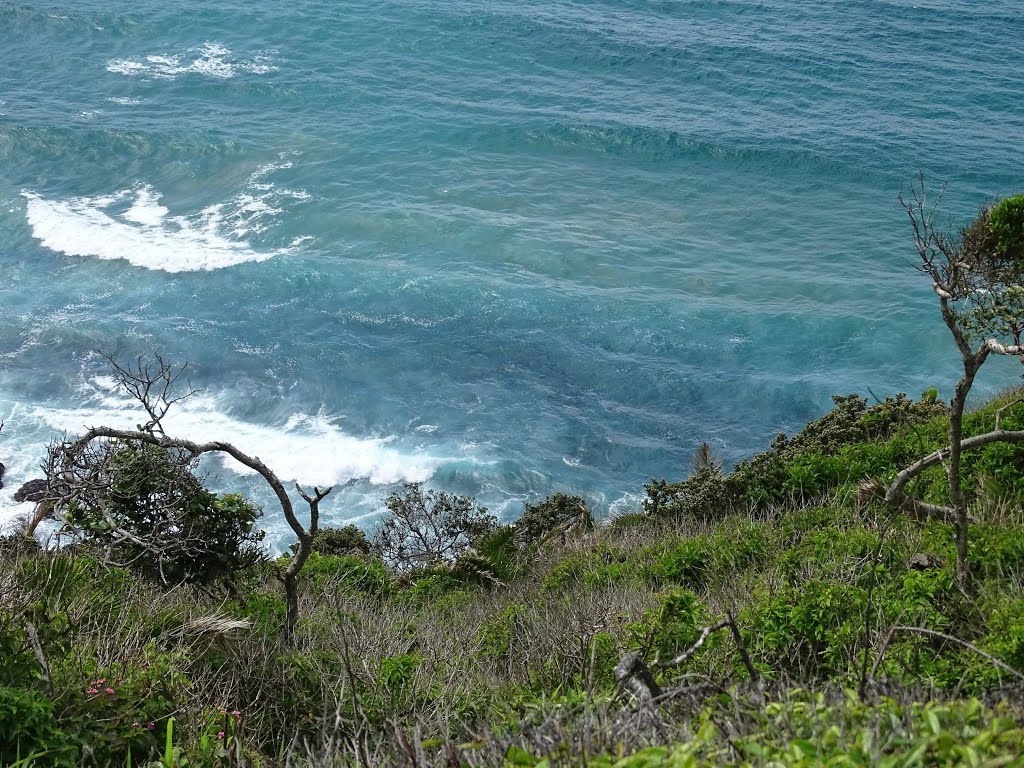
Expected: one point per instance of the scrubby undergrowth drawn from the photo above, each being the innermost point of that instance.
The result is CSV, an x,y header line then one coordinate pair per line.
x,y
862,649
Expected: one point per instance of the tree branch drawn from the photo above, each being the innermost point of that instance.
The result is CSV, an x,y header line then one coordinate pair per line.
x,y
932,633
894,494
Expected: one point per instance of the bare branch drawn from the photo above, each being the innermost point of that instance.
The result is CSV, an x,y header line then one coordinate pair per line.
x,y
153,384
1012,350
704,635
633,673
971,646
895,494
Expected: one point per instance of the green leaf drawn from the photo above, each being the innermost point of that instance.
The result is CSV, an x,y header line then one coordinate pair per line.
x,y
519,756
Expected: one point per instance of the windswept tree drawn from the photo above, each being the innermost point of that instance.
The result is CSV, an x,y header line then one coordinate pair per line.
x,y
423,529
977,273
134,487
144,507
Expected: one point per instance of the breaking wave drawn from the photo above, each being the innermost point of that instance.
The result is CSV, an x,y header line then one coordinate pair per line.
x,y
210,60
133,225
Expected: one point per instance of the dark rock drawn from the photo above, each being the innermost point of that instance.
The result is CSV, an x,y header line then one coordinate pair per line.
x,y
33,490
2,469
921,562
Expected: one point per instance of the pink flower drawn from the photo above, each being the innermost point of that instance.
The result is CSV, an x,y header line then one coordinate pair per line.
x,y
236,714
108,691
220,734
91,691
151,725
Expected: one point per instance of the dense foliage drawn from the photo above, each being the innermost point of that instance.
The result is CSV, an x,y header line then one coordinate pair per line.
x,y
144,507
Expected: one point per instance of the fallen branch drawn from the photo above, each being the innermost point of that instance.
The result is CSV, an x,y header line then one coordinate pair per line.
x,y
933,633
633,673
704,635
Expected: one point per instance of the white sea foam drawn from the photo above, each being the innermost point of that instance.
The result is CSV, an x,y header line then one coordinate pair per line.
x,y
210,60
126,101
133,225
308,449
305,449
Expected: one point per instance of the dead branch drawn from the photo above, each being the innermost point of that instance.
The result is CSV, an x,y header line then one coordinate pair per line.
x,y
894,493
633,673
971,646
704,635
37,650
153,384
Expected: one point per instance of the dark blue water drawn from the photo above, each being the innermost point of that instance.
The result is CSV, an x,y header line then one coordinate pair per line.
x,y
504,247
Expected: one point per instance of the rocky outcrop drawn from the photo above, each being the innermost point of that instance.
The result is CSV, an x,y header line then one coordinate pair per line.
x,y
33,491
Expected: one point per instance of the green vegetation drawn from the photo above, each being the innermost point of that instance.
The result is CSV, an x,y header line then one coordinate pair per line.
x,y
506,652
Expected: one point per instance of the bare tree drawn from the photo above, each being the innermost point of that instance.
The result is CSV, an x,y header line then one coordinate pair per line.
x,y
75,467
976,272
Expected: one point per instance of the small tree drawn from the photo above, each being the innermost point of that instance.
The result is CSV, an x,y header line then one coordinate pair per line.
x,y
558,512
426,529
154,386
977,273
145,507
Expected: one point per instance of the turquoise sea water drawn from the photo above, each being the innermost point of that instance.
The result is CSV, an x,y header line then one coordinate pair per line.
x,y
503,247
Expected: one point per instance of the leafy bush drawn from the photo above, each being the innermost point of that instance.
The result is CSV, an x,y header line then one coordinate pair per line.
x,y
349,540
670,628
28,727
810,630
1006,220
120,709
690,563
497,636
154,515
558,512
703,496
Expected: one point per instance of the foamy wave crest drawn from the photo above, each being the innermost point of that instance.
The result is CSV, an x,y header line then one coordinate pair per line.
x,y
306,449
133,225
211,60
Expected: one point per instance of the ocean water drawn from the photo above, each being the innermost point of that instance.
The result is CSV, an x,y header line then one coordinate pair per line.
x,y
505,248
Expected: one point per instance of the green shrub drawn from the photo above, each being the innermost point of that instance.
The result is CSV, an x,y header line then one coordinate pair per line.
x,y
1006,220
499,554
428,587
266,611
689,563
28,727
670,628
703,496
123,709
810,631
558,512
497,636
350,573
348,540
597,568
178,531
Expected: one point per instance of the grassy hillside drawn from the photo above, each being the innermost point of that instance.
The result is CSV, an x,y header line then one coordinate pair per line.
x,y
846,640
